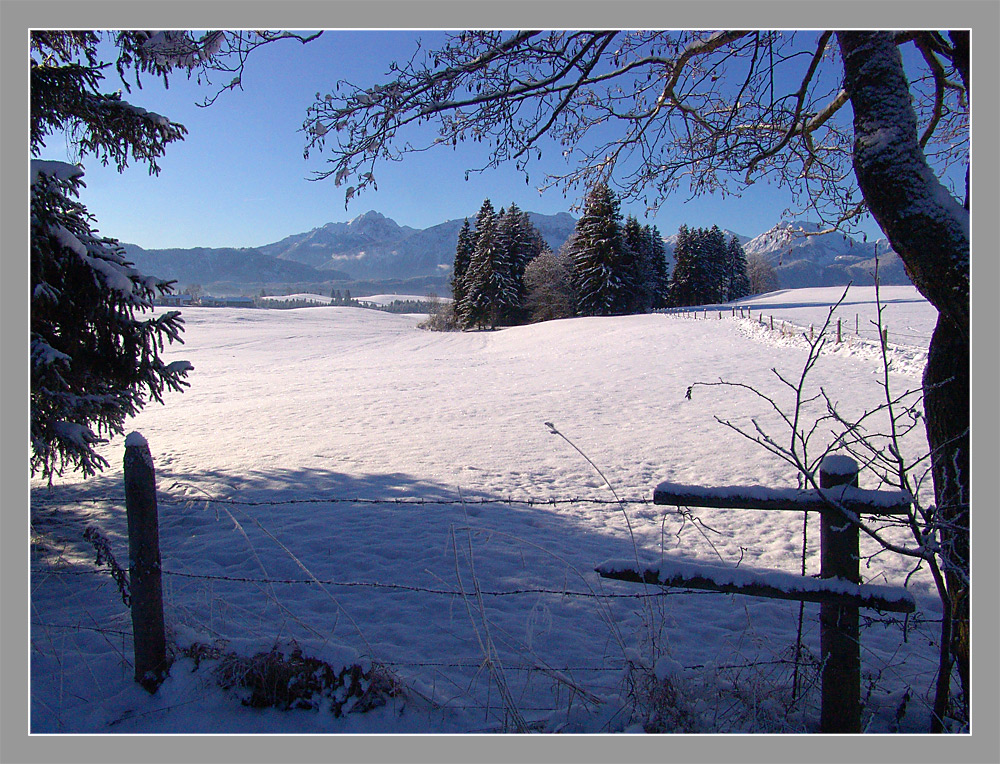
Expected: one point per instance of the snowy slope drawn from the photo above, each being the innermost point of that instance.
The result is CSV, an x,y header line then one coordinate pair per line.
x,y
293,414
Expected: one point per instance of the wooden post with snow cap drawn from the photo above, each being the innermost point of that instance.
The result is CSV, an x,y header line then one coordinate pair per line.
x,y
840,635
148,634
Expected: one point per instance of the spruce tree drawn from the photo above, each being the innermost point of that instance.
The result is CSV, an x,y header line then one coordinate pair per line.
x,y
638,263
659,277
715,287
463,255
95,360
522,243
683,281
602,275
490,289
739,280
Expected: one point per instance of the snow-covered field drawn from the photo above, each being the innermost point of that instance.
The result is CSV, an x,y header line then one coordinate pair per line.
x,y
339,478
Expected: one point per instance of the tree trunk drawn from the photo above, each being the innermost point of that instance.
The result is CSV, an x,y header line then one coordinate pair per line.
x,y
929,229
946,408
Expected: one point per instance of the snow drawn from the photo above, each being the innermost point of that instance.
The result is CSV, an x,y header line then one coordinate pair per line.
x,y
388,299
838,464
749,494
180,49
53,169
135,439
74,432
339,479
69,241
743,577
43,354
115,276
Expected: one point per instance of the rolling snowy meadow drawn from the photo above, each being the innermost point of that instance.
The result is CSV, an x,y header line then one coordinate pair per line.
x,y
340,481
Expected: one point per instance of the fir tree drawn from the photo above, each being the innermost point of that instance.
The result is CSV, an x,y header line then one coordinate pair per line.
x,y
522,243
602,264
700,267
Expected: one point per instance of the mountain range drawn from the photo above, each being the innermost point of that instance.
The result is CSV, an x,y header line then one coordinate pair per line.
x,y
374,252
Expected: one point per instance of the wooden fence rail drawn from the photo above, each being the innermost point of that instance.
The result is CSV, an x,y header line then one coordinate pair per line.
x,y
838,590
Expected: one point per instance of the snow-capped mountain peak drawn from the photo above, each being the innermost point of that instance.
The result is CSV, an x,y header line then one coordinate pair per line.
x,y
801,240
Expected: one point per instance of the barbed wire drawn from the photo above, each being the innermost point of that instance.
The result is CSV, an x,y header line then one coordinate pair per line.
x,y
414,501
378,585
869,620
615,666
172,500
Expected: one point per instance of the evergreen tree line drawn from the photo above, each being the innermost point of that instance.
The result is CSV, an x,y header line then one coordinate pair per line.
x,y
707,268
505,273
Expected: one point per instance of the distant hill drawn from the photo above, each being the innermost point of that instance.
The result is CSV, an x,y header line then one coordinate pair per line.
x,y
205,266
374,253
372,246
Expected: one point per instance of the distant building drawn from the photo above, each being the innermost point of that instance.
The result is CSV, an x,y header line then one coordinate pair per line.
x,y
227,302
174,300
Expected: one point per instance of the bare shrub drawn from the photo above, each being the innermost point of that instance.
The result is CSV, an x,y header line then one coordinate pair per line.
x,y
289,680
441,317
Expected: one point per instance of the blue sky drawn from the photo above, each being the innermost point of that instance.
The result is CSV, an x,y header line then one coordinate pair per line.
x,y
239,177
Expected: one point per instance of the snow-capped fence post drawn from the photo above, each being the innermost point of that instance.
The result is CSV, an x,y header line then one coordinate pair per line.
x,y
149,640
838,331
840,635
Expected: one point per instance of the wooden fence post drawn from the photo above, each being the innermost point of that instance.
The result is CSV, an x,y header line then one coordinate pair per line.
x,y
840,635
144,564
